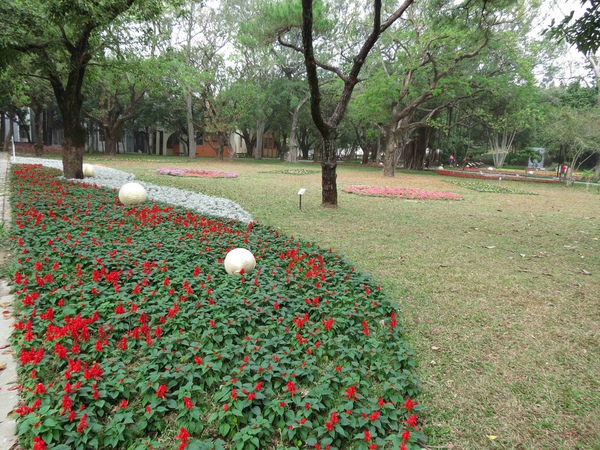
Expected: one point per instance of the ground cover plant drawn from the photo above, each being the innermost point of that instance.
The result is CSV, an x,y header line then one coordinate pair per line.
x,y
292,171
177,172
131,335
487,187
508,176
406,193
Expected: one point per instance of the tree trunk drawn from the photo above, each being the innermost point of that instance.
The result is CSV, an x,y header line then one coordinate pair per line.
x,y
367,151
249,141
260,129
413,158
389,155
293,151
328,173
73,141
295,113
110,144
39,129
190,124
317,151
9,132
304,143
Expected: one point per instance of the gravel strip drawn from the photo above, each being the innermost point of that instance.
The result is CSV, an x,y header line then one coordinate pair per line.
x,y
114,179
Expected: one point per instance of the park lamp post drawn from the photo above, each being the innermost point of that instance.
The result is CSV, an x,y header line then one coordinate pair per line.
x,y
300,194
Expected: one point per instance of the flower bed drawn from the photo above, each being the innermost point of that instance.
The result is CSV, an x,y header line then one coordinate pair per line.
x,y
496,176
292,171
486,187
412,194
196,173
130,334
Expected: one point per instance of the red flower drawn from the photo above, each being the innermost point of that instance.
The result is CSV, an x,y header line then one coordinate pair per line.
x,y
406,435
39,444
226,407
83,424
412,421
409,405
291,388
183,437
123,404
251,396
328,324
162,390
365,328
233,394
351,393
188,403
367,436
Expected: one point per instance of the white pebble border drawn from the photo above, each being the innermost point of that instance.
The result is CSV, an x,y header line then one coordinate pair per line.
x,y
114,179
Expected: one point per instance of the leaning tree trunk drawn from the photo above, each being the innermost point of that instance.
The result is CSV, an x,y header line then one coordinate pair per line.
x,y
329,195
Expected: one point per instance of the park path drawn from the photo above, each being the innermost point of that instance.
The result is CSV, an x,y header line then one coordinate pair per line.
x,y
9,393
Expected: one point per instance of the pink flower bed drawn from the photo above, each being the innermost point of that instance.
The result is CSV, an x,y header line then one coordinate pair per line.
x,y
398,192
495,176
197,173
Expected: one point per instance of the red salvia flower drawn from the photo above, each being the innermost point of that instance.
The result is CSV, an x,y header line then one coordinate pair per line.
x,y
83,424
406,435
409,405
291,388
39,444
351,393
162,390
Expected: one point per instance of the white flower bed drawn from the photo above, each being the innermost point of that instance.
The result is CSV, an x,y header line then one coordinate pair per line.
x,y
114,179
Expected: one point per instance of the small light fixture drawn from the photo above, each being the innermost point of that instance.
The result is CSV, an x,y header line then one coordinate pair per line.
x,y
300,194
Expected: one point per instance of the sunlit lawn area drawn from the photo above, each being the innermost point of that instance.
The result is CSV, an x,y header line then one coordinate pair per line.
x,y
498,292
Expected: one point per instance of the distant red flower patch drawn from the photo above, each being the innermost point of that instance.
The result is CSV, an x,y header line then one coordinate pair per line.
x,y
405,193
196,173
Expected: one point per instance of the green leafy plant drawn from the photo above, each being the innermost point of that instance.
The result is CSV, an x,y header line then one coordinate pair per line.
x,y
486,187
131,334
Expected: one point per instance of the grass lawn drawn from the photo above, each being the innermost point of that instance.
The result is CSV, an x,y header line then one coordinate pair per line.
x,y
498,292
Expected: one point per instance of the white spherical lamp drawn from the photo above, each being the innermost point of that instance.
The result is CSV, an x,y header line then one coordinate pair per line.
x,y
88,170
132,194
238,259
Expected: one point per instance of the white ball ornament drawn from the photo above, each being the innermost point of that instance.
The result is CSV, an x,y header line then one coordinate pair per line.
x,y
132,194
88,170
238,259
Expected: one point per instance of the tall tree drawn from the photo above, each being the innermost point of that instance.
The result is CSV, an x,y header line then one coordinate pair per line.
x,y
63,37
328,121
